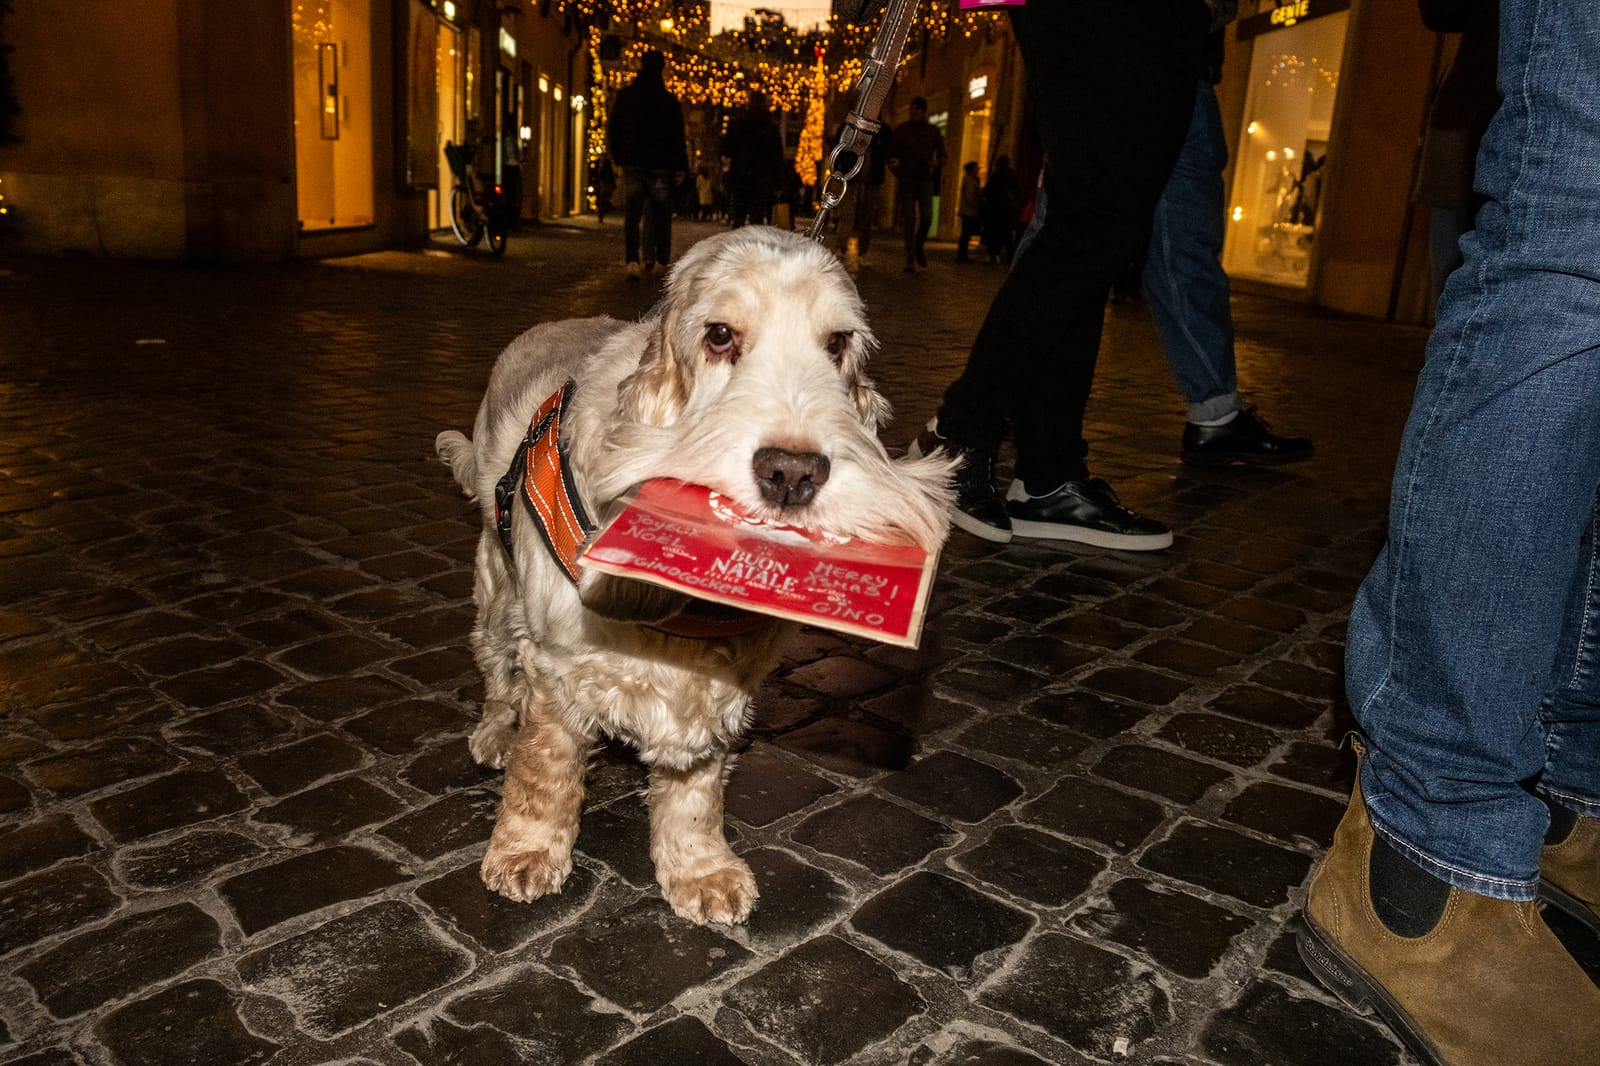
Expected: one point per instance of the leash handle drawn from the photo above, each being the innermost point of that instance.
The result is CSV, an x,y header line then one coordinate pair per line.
x,y
877,77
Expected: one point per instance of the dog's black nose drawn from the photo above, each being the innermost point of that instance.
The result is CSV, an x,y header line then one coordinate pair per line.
x,y
789,479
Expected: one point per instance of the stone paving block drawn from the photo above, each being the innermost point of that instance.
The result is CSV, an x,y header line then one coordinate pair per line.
x,y
1228,862
186,859
1264,706
100,714
117,760
917,709
882,836
37,844
953,786
1290,814
551,1020
941,922
1111,999
685,1040
443,826
1033,865
619,836
342,974
220,685
263,897
1182,657
1040,654
1162,772
1177,931
334,656
1300,680
643,956
446,767
1270,1025
196,1021
985,682
1219,738
342,697
825,1000
1095,629
796,899
1137,684
1082,808
1263,614
292,767
775,711
980,1053
849,746
52,902
1017,736
1088,713
182,799
331,810
401,727
500,924
842,677
122,958
764,788
234,731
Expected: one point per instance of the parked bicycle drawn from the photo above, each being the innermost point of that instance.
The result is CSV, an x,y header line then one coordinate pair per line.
x,y
477,206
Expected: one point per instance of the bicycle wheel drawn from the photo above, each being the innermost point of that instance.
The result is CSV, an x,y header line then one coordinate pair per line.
x,y
465,222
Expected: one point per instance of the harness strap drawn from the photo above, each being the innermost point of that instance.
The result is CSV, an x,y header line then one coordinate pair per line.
x,y
541,477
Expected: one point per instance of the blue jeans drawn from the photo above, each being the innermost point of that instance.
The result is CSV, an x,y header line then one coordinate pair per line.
x,y
1474,644
649,193
1183,278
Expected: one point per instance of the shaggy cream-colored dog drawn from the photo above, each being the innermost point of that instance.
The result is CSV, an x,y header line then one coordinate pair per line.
x,y
747,378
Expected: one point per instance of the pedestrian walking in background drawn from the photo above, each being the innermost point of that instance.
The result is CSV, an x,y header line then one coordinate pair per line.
x,y
999,211
1471,665
1188,290
704,194
916,152
968,209
605,187
646,139
1113,91
754,150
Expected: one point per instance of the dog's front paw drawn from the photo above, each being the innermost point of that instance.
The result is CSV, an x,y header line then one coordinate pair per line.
x,y
524,875
725,894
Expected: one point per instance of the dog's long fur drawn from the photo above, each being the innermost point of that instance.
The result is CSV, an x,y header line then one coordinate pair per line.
x,y
667,397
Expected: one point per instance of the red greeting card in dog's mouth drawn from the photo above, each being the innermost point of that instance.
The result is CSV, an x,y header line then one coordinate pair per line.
x,y
694,541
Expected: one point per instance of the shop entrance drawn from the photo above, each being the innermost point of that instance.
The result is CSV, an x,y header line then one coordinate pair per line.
x,y
448,70
1283,149
332,48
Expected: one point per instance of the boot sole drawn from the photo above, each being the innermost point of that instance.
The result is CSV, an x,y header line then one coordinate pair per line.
x,y
993,534
1084,535
1570,905
1359,991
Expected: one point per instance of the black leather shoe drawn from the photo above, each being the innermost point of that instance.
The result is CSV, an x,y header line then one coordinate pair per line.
x,y
1247,439
1085,511
978,508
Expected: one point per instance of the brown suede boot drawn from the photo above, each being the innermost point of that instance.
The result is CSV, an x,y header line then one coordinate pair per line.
x,y
1485,983
1569,871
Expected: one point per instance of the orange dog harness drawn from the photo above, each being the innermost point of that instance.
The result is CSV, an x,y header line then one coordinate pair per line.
x,y
539,476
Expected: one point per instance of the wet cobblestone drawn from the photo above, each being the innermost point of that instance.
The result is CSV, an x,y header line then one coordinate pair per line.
x,y
239,823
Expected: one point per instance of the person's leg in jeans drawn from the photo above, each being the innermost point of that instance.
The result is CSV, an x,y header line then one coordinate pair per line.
x,y
1096,73
924,214
1471,666
659,210
633,184
1187,291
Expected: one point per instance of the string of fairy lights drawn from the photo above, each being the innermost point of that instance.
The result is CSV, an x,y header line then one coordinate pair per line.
x,y
797,69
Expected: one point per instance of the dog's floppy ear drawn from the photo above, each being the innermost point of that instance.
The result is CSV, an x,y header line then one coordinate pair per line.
x,y
658,390
874,409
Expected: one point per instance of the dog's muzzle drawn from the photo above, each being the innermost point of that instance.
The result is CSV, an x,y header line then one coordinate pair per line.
x,y
789,479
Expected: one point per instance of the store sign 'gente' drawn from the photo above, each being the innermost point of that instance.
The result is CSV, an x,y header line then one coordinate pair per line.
x,y
1289,14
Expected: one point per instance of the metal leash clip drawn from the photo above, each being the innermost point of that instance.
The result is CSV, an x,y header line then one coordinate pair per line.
x,y
877,78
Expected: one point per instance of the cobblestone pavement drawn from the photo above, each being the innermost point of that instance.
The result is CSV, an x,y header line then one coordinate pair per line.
x,y
240,824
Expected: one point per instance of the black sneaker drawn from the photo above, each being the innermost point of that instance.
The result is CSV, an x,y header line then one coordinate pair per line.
x,y
1247,439
978,508
1085,511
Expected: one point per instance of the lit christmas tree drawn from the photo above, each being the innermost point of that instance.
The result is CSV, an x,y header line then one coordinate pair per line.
x,y
808,153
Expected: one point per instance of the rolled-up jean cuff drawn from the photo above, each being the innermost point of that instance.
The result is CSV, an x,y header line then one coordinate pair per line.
x,y
1214,408
1493,887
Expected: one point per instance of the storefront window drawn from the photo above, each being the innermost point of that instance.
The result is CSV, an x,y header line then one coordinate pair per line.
x,y
333,113
1283,150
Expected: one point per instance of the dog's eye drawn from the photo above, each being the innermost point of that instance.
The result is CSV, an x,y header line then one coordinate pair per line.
x,y
721,340
838,344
